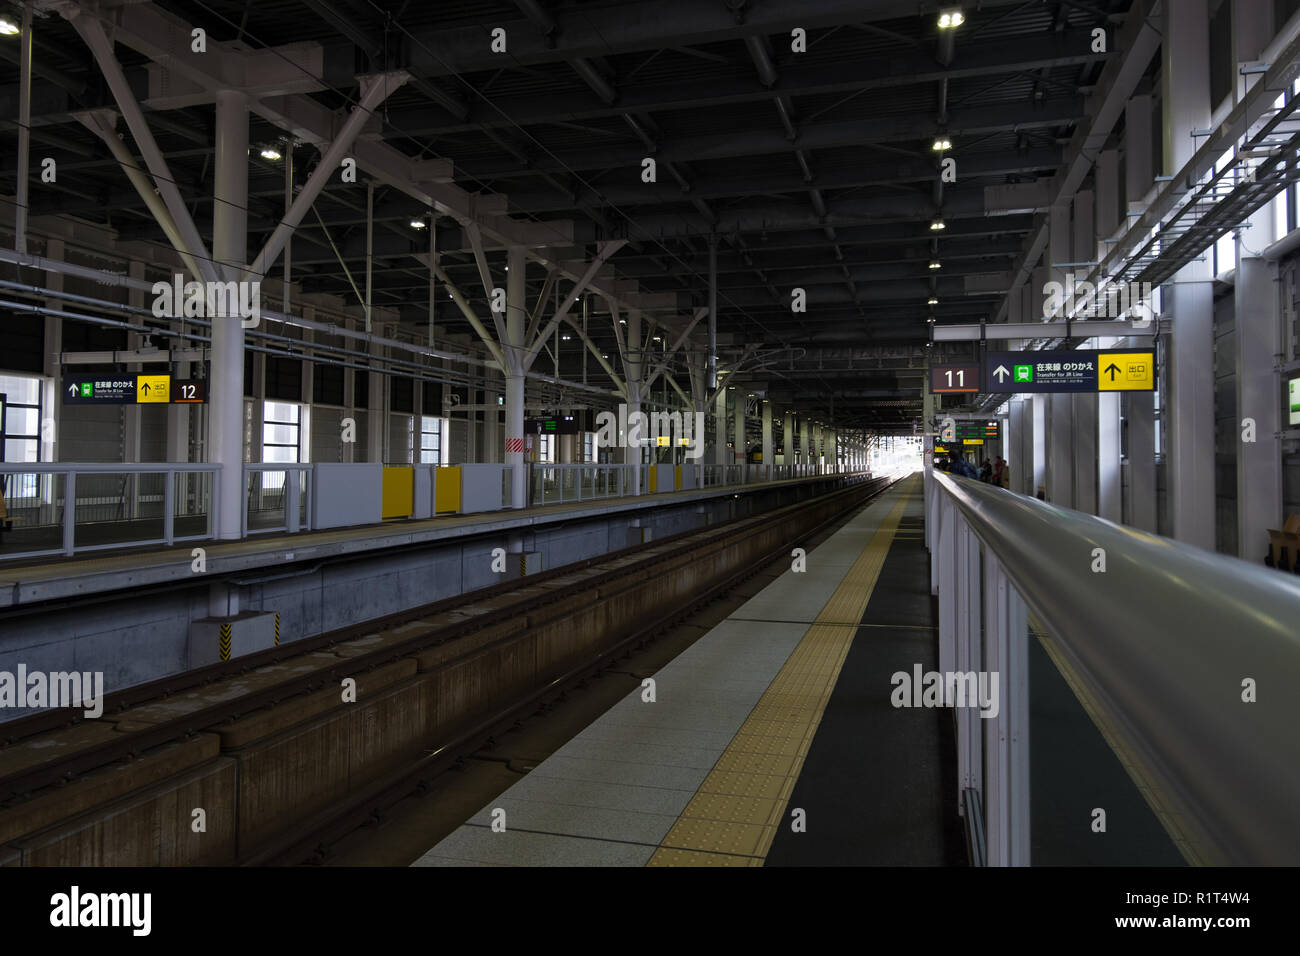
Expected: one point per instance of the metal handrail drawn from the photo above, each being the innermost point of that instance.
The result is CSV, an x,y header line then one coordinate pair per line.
x,y
293,504
70,471
1162,641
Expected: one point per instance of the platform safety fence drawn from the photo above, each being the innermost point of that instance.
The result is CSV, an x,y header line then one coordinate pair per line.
x,y
1167,642
277,498
65,509
116,505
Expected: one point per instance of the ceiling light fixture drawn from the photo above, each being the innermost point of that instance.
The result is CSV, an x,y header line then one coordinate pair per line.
x,y
271,153
937,225
936,264
951,19
932,301
941,143
417,224
8,29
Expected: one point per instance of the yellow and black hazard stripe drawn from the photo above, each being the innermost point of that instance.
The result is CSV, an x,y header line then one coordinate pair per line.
x,y
224,643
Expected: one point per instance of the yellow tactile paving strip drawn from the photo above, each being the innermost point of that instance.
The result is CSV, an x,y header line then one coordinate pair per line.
x,y
733,817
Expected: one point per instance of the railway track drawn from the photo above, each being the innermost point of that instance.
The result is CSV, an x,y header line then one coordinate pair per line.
x,y
281,762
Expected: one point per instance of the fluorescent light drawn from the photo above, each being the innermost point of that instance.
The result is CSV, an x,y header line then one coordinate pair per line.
x,y
8,29
937,225
932,301
936,264
417,223
950,19
270,152
941,144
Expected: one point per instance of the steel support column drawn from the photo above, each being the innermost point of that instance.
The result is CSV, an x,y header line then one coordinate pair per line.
x,y
229,246
516,320
24,130
1259,346
633,360
1189,409
1060,430
720,427
767,440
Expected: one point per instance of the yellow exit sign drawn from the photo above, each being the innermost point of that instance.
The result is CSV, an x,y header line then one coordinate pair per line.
x,y
153,389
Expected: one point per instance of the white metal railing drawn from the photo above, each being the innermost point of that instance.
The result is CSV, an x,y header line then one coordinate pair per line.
x,y
1161,636
277,497
114,505
556,484
132,505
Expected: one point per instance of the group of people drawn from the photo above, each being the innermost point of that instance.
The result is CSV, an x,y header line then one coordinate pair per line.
x,y
997,473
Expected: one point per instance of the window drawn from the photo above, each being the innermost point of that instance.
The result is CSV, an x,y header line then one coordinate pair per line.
x,y
20,428
1225,247
589,446
546,448
432,450
281,438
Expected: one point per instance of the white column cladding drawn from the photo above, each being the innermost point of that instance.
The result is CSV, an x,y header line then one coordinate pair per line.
x,y
52,392
179,417
635,374
376,417
1107,474
1083,248
1138,408
1013,442
492,444
1109,499
720,426
1259,347
512,348
230,249
767,439
132,417
1189,409
805,455
350,407
1038,445
739,411
787,440
1060,426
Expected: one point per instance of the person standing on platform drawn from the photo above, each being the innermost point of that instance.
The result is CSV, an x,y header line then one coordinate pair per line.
x,y
986,472
1000,472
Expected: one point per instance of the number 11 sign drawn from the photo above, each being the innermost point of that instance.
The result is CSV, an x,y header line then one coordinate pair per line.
x,y
946,379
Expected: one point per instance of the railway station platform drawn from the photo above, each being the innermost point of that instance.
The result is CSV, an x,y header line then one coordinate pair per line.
x,y
952,679
770,741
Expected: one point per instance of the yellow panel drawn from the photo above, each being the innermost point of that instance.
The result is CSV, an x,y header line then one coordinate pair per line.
x,y
654,478
1126,372
399,492
677,478
446,490
153,389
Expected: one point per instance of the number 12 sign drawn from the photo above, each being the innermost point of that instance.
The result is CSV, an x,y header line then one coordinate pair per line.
x,y
954,378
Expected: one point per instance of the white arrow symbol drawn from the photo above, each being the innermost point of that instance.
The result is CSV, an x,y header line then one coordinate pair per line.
x,y
1001,372
72,390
